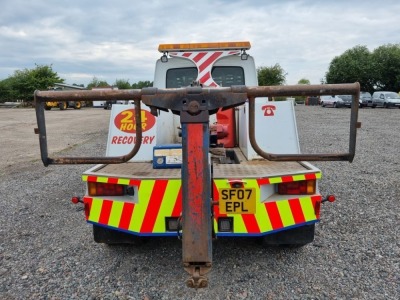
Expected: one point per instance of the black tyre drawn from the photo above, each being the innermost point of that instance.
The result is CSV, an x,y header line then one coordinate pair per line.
x,y
114,237
78,105
47,107
296,237
335,105
62,105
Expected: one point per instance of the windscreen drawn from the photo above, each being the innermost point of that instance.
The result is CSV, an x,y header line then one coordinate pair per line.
x,y
223,76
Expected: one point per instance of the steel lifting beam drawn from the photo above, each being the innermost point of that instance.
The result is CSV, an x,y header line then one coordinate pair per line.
x,y
196,202
194,108
195,105
222,98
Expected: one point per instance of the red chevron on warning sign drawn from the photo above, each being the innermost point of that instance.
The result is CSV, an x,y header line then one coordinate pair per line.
x,y
204,62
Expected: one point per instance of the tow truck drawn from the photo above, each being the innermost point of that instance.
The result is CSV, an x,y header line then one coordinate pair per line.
x,y
203,155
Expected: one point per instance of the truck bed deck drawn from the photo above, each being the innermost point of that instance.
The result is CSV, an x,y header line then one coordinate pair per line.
x,y
244,169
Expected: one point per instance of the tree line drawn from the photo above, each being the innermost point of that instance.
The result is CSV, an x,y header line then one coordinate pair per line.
x,y
22,84
374,70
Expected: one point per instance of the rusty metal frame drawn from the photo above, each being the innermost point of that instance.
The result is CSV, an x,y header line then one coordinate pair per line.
x,y
213,99
42,96
309,90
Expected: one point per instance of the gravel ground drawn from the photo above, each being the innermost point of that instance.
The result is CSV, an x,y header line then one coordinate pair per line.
x,y
47,250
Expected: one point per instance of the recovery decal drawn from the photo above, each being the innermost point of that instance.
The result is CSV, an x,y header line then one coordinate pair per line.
x,y
122,133
126,121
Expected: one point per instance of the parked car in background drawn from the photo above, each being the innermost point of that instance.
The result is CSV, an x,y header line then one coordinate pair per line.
x,y
365,99
312,100
331,101
347,100
385,99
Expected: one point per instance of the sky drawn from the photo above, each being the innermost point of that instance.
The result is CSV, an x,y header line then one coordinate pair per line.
x,y
119,39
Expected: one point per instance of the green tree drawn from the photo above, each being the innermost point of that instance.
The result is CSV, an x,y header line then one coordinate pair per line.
x,y
22,84
142,84
97,83
354,65
273,75
304,81
122,84
7,93
386,62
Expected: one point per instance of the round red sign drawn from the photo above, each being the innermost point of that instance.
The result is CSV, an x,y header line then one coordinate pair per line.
x,y
125,120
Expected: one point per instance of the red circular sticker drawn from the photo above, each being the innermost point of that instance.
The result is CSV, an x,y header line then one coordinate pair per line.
x,y
125,121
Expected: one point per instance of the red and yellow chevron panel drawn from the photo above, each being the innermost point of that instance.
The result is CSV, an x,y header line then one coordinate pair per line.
x,y
161,198
157,199
270,215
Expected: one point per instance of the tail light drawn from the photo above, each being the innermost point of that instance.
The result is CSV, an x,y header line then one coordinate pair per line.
x,y
105,189
302,187
317,208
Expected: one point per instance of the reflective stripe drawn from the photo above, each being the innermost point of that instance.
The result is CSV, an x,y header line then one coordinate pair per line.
x,y
102,179
161,198
298,177
95,210
123,181
285,213
153,206
126,215
297,211
261,181
238,224
263,219
250,220
146,187
273,214
167,205
275,180
115,215
308,209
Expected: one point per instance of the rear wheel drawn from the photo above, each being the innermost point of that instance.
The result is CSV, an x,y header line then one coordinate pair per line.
x,y
62,105
296,237
78,105
114,237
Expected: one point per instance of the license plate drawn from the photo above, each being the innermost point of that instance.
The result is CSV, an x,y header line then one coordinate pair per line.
x,y
237,201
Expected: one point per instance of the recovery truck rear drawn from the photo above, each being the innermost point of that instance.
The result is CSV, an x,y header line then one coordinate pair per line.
x,y
203,154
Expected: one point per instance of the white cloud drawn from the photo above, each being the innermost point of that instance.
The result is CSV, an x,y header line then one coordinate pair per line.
x,y
119,39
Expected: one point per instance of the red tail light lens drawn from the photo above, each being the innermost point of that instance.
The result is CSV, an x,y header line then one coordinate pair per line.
x,y
105,189
303,187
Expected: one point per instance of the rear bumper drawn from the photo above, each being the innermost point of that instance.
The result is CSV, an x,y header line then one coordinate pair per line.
x,y
144,219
